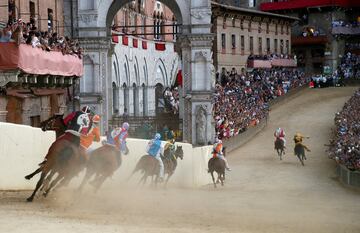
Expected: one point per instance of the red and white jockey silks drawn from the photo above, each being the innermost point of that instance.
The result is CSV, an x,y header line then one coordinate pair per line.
x,y
280,133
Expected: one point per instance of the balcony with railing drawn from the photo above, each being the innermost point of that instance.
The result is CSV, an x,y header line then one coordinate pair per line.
x,y
17,62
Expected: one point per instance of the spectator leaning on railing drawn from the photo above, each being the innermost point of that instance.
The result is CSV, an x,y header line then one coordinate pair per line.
x,y
20,32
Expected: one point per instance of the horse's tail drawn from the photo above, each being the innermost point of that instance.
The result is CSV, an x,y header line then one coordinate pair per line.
x,y
139,166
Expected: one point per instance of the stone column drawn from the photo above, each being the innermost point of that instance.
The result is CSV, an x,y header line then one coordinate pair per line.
x,y
45,108
196,45
151,101
3,112
101,99
141,101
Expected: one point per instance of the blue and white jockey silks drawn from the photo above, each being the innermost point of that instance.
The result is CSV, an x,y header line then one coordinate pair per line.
x,y
154,149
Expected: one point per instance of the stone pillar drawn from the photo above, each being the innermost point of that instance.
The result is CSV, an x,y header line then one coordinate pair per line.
x,y
131,101
45,108
26,111
121,100
141,101
3,112
198,127
101,98
196,46
151,101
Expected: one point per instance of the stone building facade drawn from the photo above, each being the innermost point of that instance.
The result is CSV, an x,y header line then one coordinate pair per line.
x,y
45,13
92,21
240,32
29,98
318,46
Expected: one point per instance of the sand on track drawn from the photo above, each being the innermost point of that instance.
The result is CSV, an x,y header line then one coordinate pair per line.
x,y
262,193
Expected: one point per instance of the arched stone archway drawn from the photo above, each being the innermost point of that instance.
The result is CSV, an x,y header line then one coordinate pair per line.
x,y
93,28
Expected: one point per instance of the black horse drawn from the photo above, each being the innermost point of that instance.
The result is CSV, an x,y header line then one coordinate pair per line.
x,y
150,166
279,147
217,165
299,151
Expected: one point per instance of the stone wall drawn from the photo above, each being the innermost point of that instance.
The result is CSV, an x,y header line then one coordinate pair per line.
x,y
21,153
347,177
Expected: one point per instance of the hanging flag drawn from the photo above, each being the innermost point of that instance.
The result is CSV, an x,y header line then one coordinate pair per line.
x,y
179,77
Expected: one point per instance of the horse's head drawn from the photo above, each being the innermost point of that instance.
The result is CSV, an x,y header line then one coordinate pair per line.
x,y
179,153
53,123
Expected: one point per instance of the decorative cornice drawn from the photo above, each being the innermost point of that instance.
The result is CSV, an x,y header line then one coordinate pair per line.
x,y
102,43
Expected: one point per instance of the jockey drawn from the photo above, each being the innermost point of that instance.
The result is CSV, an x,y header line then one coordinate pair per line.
x,y
169,144
280,133
70,121
77,125
92,135
117,138
298,138
155,148
218,152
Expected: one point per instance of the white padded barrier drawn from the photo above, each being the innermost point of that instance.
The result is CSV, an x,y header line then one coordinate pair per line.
x,y
23,147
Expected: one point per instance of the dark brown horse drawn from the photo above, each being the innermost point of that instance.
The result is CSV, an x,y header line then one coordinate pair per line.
x,y
55,123
63,158
150,166
217,165
279,147
103,162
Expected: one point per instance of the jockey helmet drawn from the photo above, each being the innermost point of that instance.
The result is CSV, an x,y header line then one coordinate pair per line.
x,y
125,126
157,136
86,109
218,140
96,119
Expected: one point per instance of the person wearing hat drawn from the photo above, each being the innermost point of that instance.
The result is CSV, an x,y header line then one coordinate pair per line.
x,y
218,152
155,148
93,135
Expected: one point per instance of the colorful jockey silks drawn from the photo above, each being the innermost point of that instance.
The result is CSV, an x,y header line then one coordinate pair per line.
x,y
154,147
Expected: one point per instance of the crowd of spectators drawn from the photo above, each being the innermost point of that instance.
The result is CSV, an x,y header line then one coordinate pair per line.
x,y
349,67
28,33
171,97
342,23
242,100
270,56
345,146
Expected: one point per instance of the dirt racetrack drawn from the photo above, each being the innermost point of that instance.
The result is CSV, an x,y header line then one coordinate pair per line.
x,y
262,194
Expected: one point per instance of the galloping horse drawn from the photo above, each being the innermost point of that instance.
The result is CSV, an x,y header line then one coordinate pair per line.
x,y
63,158
217,165
299,151
55,123
279,147
150,166
103,162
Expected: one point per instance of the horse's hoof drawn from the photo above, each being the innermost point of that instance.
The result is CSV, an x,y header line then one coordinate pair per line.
x,y
29,199
28,177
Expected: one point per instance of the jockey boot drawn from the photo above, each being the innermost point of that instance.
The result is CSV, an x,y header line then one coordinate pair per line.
x,y
228,169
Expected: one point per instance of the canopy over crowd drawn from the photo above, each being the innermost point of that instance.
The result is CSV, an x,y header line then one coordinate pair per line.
x,y
345,146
